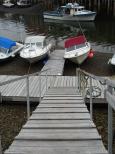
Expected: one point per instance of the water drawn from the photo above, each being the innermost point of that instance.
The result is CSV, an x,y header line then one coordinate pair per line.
x,y
99,33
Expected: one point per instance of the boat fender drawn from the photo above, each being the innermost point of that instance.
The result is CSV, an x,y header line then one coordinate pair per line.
x,y
13,55
91,54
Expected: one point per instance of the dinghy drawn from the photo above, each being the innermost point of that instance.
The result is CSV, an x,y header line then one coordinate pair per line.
x,y
7,3
8,48
77,49
35,48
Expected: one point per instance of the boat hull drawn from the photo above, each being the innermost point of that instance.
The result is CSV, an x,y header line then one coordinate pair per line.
x,y
85,17
79,59
8,5
36,59
12,54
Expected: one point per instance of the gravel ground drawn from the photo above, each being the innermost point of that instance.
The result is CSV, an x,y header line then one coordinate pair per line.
x,y
12,118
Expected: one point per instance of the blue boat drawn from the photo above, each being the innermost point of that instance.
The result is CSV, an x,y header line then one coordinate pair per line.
x,y
71,12
8,48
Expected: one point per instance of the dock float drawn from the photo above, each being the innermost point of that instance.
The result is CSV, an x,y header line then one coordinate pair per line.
x,y
60,124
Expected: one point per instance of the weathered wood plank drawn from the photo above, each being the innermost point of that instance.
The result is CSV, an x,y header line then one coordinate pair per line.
x,y
61,110
61,116
32,143
62,101
62,105
58,126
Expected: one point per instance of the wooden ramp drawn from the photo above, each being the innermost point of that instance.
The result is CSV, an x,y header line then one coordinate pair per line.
x,y
60,125
55,63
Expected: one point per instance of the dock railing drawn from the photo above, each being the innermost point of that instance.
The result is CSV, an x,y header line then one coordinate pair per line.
x,y
48,83
83,78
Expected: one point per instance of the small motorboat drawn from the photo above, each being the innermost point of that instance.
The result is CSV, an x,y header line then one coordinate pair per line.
x,y
24,3
112,60
7,3
77,49
8,48
35,48
71,12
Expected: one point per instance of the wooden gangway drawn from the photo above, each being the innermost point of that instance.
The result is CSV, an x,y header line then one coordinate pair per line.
x,y
61,124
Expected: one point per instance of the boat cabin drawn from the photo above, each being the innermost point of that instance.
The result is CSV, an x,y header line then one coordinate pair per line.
x,y
38,41
72,8
75,43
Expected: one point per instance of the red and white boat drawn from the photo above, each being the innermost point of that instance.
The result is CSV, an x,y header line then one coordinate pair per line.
x,y
77,49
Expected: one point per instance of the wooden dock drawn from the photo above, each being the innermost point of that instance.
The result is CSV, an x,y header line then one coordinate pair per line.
x,y
55,63
17,91
60,124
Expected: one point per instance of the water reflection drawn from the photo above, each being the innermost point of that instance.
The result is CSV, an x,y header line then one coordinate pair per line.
x,y
17,27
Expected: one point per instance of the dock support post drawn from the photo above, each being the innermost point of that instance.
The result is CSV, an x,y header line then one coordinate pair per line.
x,y
91,103
28,99
39,88
110,125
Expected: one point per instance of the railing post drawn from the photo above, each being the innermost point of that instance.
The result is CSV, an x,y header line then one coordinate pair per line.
x,y
40,88
0,146
76,81
79,81
28,99
91,102
0,98
110,124
46,81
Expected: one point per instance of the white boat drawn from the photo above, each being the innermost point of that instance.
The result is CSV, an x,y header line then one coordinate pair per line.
x,y
23,3
8,48
77,49
112,60
71,12
7,3
35,48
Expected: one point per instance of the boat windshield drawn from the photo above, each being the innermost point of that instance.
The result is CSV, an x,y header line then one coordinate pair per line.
x,y
27,44
75,47
3,50
39,44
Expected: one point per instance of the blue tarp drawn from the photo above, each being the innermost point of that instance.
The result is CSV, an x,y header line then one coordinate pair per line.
x,y
6,43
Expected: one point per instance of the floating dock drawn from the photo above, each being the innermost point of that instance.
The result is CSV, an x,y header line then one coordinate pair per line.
x,y
17,91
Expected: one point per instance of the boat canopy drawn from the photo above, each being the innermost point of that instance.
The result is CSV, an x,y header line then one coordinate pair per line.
x,y
75,41
6,43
